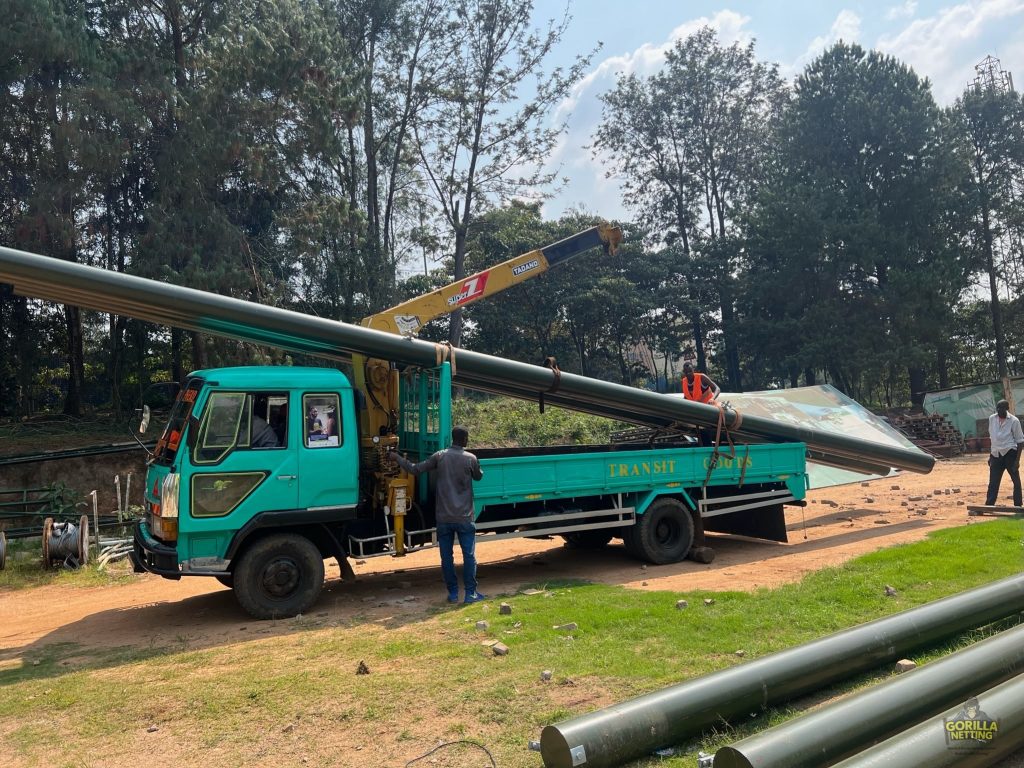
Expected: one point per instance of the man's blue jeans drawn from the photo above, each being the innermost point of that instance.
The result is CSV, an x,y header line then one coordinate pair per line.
x,y
446,533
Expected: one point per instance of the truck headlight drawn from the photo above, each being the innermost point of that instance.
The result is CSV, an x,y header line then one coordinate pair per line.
x,y
169,495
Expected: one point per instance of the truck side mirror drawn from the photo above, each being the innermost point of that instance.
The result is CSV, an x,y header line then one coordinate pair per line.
x,y
193,433
144,424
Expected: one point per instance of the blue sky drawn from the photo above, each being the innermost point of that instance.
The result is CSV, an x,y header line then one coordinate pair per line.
x,y
940,40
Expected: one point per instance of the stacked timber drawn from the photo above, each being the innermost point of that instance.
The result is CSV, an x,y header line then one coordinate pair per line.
x,y
931,432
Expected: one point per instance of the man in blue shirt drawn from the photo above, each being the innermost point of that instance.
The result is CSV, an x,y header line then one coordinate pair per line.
x,y
456,470
1006,435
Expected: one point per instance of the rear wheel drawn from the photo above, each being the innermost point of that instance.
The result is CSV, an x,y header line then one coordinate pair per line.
x,y
588,539
279,576
662,534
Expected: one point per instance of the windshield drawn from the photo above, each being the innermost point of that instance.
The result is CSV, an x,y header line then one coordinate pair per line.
x,y
167,446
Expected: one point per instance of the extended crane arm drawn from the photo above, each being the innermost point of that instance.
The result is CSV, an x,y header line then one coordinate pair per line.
x,y
409,316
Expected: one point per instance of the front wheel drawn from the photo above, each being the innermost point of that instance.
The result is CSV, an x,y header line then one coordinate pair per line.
x,y
279,576
662,534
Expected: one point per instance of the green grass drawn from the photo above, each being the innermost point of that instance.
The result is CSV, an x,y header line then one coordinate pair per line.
x,y
20,437
23,569
504,422
433,679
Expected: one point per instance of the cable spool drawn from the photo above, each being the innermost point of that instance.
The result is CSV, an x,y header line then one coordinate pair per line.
x,y
66,543
3,549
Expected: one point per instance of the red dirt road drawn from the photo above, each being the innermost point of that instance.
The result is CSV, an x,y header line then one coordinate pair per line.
x,y
838,523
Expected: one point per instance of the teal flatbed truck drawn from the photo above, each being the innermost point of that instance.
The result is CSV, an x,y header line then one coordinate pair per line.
x,y
261,473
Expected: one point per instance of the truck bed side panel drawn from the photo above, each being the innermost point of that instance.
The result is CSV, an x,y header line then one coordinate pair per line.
x,y
516,479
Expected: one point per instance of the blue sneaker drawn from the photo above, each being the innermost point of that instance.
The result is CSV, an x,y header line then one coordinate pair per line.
x,y
476,597
453,597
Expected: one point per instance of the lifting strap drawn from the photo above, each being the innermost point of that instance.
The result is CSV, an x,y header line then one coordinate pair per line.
x,y
550,362
717,452
444,352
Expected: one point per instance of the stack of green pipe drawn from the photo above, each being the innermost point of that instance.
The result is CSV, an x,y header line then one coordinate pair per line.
x,y
836,731
626,731
935,743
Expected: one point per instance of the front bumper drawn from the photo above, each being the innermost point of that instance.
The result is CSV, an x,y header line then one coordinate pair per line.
x,y
152,556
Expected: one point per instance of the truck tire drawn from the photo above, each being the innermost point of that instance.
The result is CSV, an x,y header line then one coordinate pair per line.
x,y
588,539
279,576
662,534
227,579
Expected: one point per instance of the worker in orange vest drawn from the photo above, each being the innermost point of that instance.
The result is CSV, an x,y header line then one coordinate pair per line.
x,y
697,386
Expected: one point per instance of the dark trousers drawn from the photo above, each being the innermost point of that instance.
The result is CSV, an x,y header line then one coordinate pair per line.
x,y
996,465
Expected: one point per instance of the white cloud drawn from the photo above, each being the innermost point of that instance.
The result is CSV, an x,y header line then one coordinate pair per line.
x,y
904,11
944,47
846,27
649,57
582,111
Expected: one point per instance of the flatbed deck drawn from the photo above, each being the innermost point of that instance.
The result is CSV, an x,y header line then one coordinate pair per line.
x,y
641,473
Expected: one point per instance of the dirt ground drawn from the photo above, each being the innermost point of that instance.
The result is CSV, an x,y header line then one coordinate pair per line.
x,y
837,524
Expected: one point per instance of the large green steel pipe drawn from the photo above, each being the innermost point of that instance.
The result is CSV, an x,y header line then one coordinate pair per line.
x,y
840,461
623,732
157,302
941,743
831,733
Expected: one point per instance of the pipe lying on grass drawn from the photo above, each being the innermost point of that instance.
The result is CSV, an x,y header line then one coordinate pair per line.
x,y
941,743
833,732
622,732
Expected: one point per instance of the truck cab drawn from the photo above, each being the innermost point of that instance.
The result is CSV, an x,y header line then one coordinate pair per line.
x,y
251,481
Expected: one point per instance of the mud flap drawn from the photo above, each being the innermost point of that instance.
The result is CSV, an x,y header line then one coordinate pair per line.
x,y
761,523
347,574
699,551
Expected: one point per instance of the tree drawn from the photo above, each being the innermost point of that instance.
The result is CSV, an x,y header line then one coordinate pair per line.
x,y
246,114
852,252
991,125
401,46
690,143
478,139
49,80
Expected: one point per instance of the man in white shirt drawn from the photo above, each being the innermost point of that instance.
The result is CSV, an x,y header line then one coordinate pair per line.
x,y
1007,438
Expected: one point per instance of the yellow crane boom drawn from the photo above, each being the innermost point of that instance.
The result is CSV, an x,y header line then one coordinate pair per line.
x,y
408,317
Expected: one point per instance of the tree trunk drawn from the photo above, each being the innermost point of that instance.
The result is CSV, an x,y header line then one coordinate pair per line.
x,y
943,364
698,338
455,329
623,366
732,354
177,367
6,356
997,315
376,273
809,378
695,320
76,361
918,383
198,351
26,352
114,362
353,240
